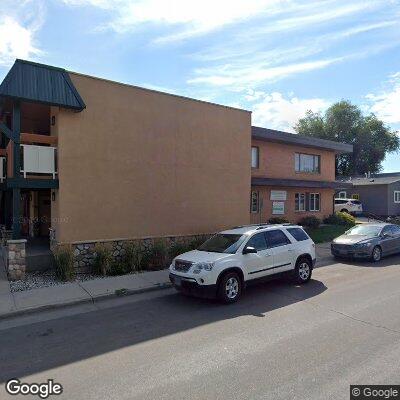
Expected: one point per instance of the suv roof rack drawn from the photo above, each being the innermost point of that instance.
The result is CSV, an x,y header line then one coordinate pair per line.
x,y
250,225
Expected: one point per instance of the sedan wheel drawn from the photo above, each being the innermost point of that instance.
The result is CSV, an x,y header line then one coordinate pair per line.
x,y
376,254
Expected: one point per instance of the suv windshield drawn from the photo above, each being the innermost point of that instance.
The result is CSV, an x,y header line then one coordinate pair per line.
x,y
222,243
369,230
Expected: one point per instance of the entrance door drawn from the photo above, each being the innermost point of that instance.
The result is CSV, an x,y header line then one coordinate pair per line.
x,y
44,212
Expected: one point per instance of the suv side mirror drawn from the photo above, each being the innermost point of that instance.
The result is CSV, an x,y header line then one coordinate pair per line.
x,y
249,250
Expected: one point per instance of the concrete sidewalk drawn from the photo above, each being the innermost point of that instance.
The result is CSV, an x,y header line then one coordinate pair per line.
x,y
12,304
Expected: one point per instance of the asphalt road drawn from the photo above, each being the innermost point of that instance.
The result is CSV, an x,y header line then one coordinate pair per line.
x,y
279,342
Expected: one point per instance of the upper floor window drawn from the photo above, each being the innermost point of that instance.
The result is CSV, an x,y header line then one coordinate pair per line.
x,y
397,196
255,152
307,163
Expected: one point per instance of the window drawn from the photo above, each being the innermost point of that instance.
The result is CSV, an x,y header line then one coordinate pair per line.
x,y
355,196
307,163
397,196
223,243
396,230
300,202
298,234
255,157
314,202
276,238
254,206
342,195
257,241
338,201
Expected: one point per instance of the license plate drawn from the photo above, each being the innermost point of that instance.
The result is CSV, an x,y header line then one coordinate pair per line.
x,y
177,280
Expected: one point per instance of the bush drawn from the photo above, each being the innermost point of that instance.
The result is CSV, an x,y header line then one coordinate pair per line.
x,y
278,220
177,248
340,218
102,260
132,259
64,260
117,268
198,241
156,257
310,222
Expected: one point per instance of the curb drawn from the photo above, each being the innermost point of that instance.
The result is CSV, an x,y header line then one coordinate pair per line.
x,y
93,300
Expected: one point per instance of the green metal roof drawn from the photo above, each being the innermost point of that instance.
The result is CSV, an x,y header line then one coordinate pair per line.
x,y
41,83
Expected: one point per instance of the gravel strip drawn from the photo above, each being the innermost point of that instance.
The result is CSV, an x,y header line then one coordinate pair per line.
x,y
35,280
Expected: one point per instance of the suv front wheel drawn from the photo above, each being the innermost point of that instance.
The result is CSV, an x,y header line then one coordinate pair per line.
x,y
303,271
230,287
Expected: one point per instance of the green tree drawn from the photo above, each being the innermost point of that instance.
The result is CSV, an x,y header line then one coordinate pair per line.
x,y
344,122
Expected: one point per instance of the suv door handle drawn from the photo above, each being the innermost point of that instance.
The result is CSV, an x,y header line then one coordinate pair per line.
x,y
268,255
291,250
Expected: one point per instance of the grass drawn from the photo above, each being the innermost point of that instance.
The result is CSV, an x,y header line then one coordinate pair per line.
x,y
327,233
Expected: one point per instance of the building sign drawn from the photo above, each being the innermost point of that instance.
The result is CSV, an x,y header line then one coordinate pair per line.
x,y
278,207
278,194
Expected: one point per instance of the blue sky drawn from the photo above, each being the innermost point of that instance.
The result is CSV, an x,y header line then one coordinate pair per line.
x,y
278,58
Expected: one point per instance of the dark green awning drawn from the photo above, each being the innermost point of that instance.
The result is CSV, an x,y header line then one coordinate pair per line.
x,y
41,83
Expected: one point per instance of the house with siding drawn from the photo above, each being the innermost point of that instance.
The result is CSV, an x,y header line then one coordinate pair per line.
x,y
378,193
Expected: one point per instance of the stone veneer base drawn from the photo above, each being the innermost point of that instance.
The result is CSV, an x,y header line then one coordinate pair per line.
x,y
16,259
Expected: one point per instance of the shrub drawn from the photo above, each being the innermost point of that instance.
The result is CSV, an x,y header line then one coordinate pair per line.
x,y
340,218
278,220
102,260
132,258
156,256
310,222
198,241
177,248
116,267
64,260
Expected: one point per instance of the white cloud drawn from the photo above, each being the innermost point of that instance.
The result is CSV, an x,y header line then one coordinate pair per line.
x,y
190,18
19,24
254,74
275,111
386,104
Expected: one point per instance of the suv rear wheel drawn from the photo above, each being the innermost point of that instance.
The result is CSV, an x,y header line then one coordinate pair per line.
x,y
303,271
230,287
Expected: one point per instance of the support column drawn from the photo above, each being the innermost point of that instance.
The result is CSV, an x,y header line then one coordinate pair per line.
x,y
16,259
16,127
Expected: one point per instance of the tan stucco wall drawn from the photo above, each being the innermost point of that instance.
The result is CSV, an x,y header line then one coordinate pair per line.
x,y
326,206
277,160
138,163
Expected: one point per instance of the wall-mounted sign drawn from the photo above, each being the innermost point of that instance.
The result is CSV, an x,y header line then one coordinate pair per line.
x,y
278,207
278,195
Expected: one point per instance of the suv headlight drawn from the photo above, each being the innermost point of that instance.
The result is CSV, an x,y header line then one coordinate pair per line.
x,y
205,266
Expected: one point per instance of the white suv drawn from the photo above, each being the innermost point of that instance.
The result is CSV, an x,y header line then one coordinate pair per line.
x,y
350,206
223,265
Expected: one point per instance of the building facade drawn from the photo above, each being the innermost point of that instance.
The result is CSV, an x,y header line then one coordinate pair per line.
x,y
293,176
95,160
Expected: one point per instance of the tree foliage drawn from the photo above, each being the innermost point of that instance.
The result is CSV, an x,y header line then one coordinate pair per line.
x,y
344,122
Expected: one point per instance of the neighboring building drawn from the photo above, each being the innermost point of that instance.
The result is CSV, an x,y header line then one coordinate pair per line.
x,y
379,193
292,175
90,159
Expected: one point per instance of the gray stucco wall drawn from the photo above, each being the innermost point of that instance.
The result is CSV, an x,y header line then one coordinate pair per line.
x,y
374,198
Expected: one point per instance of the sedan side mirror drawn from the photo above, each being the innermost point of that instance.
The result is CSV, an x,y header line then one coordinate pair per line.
x,y
249,250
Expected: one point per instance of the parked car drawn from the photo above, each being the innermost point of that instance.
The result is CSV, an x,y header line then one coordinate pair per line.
x,y
224,264
350,206
369,241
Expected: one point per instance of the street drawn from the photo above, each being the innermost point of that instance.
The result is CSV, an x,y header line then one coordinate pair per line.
x,y
279,341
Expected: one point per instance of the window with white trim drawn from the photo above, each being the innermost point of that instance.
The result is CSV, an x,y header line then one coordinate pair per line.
x,y
342,195
396,196
255,152
300,202
307,163
254,202
315,202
